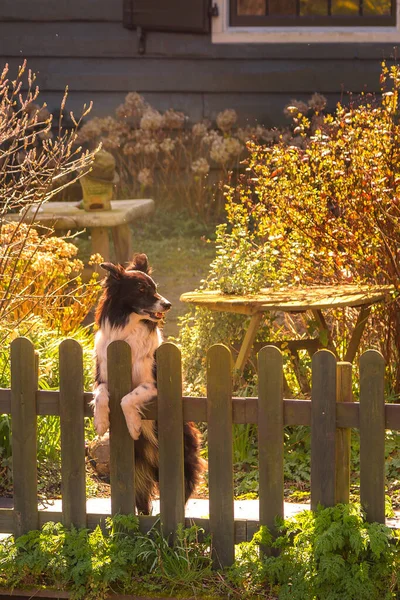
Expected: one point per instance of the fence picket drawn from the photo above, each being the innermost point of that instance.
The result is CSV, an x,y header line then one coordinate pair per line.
x,y
72,434
122,452
270,435
24,433
343,436
323,429
170,438
220,453
372,435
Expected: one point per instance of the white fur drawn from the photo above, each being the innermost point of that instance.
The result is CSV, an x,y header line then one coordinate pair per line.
x,y
143,344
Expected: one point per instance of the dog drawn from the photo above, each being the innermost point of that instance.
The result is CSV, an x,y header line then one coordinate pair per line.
x,y
130,309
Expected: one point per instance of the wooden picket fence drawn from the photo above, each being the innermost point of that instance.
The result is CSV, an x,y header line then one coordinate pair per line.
x,y
330,413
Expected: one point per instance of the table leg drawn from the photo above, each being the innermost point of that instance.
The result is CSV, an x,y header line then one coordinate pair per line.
x,y
357,333
248,341
100,242
122,237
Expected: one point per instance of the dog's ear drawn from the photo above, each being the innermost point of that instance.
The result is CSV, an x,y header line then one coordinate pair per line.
x,y
140,262
114,271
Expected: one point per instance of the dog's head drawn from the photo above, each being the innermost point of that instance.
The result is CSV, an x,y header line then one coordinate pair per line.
x,y
131,290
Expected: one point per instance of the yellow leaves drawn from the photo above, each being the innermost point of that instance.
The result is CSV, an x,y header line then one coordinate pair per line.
x,y
40,276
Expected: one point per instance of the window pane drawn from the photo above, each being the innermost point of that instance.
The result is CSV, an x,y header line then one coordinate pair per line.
x,y
377,7
282,7
345,7
313,7
252,7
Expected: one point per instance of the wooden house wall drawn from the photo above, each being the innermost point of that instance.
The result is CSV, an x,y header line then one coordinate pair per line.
x,y
82,44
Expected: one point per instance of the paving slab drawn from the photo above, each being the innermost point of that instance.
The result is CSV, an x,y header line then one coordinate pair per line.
x,y
195,508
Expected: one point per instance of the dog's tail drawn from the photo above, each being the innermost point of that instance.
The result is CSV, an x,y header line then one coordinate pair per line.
x,y
194,464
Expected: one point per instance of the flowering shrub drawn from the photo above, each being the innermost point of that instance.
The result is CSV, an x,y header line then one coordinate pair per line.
x,y
180,164
161,154
39,274
323,208
42,278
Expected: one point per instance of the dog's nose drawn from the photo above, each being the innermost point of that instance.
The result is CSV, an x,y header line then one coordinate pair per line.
x,y
167,305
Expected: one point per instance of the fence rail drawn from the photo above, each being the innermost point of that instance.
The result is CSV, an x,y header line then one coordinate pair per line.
x,y
330,413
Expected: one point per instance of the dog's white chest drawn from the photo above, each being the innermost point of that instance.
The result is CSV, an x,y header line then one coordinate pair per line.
x,y
142,341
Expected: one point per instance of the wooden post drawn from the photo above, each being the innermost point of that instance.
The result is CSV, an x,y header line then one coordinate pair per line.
x,y
72,434
372,435
122,453
343,436
270,435
323,429
100,242
248,340
357,333
170,438
220,454
24,435
122,238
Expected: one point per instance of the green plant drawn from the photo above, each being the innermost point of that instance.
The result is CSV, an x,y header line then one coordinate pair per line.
x,y
91,564
334,554
39,274
46,341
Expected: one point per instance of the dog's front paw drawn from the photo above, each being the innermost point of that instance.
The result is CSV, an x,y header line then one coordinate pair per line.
x,y
132,415
101,409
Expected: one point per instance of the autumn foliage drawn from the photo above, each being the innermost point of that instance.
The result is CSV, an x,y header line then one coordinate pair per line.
x,y
326,210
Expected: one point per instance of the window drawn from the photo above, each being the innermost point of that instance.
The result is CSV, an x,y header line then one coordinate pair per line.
x,y
307,21
326,13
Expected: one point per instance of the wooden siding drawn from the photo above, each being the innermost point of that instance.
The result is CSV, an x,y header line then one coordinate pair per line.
x,y
82,44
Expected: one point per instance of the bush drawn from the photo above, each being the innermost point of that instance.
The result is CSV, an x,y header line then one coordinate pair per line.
x,y
323,210
42,277
183,166
334,554
39,274
46,341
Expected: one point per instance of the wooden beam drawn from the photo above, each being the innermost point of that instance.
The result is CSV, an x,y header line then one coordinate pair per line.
x,y
357,334
248,341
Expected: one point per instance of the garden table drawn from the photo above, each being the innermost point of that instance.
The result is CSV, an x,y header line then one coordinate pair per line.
x,y
296,300
68,215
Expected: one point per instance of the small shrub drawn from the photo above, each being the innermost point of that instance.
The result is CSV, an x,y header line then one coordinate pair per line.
x,y
42,277
323,210
39,274
334,554
184,166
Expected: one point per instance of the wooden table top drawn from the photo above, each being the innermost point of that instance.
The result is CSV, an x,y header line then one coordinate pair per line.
x,y
67,215
291,299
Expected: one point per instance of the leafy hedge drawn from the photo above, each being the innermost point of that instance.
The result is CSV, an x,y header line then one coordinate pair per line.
x,y
332,554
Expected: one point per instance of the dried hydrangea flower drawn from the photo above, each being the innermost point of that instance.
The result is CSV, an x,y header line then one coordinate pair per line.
x,y
145,177
151,148
317,102
168,145
199,129
173,119
151,120
226,119
218,151
295,108
233,146
200,167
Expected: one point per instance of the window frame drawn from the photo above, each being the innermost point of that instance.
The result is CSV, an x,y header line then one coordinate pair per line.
x,y
223,32
236,20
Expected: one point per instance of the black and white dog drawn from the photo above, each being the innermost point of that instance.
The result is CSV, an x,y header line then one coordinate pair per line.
x,y
130,309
